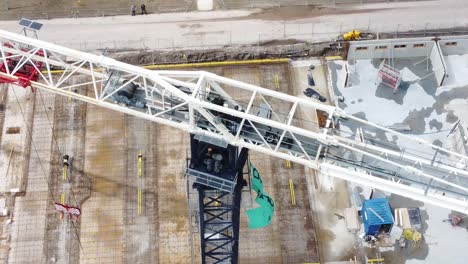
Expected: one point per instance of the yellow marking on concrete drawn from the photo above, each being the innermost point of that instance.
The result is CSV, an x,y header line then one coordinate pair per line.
x,y
276,79
64,172
140,175
288,164
375,260
198,64
333,58
293,195
62,198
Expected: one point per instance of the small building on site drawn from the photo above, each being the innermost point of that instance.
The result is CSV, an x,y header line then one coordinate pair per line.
x,y
377,216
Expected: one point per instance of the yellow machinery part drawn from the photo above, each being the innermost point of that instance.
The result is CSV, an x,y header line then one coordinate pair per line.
x,y
352,35
412,235
376,260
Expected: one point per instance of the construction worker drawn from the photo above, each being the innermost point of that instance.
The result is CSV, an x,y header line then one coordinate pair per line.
x,y
65,160
143,9
133,9
310,77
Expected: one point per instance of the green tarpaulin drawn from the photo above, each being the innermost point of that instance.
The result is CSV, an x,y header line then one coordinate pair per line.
x,y
261,216
257,184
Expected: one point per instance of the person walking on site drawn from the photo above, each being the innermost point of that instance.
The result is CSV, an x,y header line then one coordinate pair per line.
x,y
133,9
143,9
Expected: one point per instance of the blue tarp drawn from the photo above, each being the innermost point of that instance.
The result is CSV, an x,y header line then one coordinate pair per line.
x,y
374,214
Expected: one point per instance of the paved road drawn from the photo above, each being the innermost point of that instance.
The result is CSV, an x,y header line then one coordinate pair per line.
x,y
217,28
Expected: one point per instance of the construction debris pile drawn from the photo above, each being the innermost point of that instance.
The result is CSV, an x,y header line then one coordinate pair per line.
x,y
263,51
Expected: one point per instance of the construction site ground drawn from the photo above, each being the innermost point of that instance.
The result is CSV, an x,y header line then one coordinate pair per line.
x,y
55,6
103,182
220,28
104,147
10,9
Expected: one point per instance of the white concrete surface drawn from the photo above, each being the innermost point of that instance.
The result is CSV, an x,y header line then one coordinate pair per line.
x,y
362,96
447,244
447,105
457,67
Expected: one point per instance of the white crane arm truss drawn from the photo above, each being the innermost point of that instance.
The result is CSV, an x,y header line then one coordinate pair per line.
x,y
227,111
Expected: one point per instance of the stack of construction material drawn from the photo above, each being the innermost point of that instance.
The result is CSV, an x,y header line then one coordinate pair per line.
x,y
389,76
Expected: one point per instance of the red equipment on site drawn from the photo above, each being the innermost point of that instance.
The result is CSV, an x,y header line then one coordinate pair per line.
x,y
26,70
389,76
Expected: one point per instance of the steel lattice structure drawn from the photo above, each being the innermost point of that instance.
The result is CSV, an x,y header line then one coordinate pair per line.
x,y
226,111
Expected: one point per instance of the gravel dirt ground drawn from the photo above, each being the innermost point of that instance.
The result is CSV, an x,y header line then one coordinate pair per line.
x,y
221,28
52,5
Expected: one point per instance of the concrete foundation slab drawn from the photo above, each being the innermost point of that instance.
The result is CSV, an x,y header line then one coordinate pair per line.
x,y
15,146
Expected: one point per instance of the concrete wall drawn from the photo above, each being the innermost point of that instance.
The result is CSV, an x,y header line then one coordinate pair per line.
x,y
405,48
438,64
411,48
380,49
454,45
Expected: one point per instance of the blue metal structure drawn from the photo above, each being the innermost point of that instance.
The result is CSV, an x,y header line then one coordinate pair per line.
x,y
377,216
